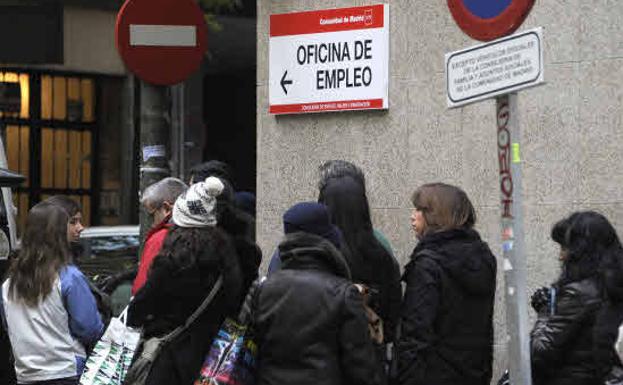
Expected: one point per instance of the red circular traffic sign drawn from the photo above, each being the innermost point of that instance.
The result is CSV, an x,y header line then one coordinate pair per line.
x,y
161,41
489,19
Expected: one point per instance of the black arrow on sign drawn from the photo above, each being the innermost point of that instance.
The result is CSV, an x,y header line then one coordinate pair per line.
x,y
285,82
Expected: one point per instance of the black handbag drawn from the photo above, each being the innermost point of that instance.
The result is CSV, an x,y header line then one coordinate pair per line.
x,y
153,348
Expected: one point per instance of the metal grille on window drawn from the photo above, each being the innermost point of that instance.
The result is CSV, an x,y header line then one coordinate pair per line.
x,y
49,125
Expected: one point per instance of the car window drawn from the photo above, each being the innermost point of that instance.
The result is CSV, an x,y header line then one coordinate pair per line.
x,y
113,245
103,258
110,262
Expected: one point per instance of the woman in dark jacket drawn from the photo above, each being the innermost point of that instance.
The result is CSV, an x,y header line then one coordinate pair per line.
x,y
369,262
310,321
194,255
446,328
572,342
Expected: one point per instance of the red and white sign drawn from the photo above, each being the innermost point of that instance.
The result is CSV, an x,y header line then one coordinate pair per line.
x,y
329,60
161,41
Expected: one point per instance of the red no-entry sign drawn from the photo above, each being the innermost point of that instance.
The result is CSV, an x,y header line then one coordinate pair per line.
x,y
161,41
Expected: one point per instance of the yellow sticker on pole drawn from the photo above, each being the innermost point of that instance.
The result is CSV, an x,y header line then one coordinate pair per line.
x,y
515,153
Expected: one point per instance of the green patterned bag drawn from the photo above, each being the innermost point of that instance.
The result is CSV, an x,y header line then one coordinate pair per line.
x,y
112,355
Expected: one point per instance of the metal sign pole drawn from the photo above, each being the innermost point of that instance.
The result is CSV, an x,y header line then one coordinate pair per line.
x,y
154,133
514,264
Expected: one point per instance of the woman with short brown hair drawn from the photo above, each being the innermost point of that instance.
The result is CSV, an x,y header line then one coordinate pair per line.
x,y
444,207
446,328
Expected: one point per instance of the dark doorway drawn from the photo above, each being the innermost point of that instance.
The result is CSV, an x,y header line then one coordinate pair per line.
x,y
229,91
229,115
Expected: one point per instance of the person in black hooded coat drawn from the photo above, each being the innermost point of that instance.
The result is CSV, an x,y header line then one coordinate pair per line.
x,y
310,322
572,342
446,320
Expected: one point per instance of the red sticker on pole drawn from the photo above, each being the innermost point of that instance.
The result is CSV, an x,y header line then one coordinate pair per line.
x,y
161,41
489,19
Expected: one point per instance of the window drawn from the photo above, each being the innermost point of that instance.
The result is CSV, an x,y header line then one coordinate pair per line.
x,y
50,140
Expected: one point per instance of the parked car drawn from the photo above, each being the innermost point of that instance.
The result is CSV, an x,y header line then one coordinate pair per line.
x,y
108,255
8,244
8,229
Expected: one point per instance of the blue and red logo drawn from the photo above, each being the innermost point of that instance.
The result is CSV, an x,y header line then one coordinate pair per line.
x,y
489,19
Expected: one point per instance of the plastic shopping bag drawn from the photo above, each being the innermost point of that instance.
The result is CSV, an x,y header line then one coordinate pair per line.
x,y
231,360
112,355
232,356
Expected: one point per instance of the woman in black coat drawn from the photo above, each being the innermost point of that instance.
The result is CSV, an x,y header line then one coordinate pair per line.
x,y
572,342
369,262
446,320
310,321
194,255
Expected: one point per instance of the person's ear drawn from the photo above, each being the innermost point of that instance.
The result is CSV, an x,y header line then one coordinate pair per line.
x,y
167,206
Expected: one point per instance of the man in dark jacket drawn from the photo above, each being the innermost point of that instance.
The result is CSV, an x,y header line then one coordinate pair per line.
x,y
310,320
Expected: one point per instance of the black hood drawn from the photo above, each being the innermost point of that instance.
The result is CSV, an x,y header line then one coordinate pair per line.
x,y
464,256
304,251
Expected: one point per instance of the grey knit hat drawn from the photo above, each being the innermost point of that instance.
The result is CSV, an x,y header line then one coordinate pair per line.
x,y
197,206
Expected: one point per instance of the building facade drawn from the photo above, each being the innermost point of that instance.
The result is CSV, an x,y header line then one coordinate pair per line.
x,y
571,142
70,112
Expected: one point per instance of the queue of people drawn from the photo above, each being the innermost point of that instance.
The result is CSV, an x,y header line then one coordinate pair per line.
x,y
334,309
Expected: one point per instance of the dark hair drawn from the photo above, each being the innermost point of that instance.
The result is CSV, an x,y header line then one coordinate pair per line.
x,y
235,221
348,206
186,244
219,169
245,201
209,248
45,250
216,168
591,244
593,250
66,203
337,169
445,207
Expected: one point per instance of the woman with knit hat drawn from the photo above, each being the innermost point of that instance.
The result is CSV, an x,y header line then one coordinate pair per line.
x,y
194,255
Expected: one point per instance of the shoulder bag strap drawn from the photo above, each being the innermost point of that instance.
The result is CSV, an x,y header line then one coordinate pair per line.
x,y
196,313
248,306
247,310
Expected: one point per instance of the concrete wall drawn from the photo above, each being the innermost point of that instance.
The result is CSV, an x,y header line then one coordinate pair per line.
x,y
572,141
89,40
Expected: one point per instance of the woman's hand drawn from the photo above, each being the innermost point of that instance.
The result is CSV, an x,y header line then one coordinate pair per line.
x,y
540,299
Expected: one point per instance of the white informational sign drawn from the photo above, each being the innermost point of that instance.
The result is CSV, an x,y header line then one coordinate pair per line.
x,y
155,151
329,60
495,68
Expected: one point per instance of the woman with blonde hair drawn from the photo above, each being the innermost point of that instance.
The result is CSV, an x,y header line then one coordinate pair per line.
x,y
46,304
446,320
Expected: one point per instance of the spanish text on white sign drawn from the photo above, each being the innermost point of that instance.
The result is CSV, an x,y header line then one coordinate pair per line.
x,y
495,68
329,60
